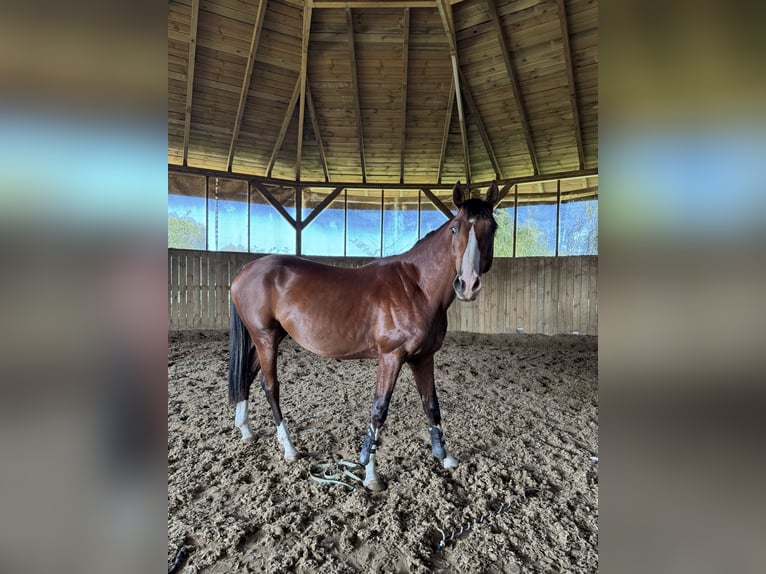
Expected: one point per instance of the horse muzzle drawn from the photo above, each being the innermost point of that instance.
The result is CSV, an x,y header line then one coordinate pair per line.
x,y
467,290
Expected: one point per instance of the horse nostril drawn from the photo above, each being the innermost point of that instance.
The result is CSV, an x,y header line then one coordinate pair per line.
x,y
458,285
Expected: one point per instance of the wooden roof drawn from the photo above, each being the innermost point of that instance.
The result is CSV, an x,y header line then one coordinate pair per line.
x,y
364,92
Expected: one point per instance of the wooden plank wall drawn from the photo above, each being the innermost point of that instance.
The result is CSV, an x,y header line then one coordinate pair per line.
x,y
549,295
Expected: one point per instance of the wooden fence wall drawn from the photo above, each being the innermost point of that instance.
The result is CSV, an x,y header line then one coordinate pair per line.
x,y
549,295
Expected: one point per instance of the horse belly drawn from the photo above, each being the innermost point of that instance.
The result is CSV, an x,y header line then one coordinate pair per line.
x,y
330,332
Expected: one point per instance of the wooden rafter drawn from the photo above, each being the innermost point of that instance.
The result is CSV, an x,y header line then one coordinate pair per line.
x,y
355,88
302,80
190,76
285,124
322,205
445,134
373,4
315,125
438,203
246,80
503,192
514,84
274,202
588,172
445,12
482,130
571,82
405,63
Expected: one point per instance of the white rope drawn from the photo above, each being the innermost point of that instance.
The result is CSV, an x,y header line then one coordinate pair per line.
x,y
465,527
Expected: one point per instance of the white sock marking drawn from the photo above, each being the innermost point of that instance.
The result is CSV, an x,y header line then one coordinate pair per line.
x,y
284,438
449,461
240,421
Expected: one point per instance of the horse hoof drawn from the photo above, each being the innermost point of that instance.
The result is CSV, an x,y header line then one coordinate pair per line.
x,y
291,457
376,485
450,462
248,438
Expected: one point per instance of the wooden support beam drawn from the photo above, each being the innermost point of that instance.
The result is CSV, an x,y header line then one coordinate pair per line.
x,y
514,85
355,88
373,4
515,216
302,80
503,192
568,60
482,130
405,64
593,171
315,125
445,11
190,76
445,134
558,215
298,220
246,80
322,206
438,203
274,202
285,125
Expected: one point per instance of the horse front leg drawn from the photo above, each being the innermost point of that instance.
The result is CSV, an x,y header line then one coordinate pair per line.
x,y
423,371
388,371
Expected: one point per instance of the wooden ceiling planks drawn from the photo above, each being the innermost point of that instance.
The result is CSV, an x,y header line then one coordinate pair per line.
x,y
385,118
257,26
355,91
190,77
517,95
445,12
305,36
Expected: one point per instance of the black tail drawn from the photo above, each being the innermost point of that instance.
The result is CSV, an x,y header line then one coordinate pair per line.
x,y
239,359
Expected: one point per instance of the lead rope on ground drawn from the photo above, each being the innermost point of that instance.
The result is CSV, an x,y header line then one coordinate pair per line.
x,y
334,472
465,527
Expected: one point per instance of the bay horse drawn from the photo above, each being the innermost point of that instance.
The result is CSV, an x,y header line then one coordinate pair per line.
x,y
393,309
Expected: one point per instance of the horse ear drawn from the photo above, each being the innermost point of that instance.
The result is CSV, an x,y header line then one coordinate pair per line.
x,y
493,194
458,195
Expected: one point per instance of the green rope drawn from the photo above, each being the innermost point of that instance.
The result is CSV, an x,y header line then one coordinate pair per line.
x,y
335,472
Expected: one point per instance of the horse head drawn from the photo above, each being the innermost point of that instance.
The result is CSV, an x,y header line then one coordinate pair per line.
x,y
473,239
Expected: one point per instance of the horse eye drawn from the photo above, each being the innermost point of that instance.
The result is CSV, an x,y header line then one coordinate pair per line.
x,y
453,229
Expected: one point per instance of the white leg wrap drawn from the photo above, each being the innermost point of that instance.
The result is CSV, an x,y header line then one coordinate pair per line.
x,y
240,421
370,471
449,461
291,454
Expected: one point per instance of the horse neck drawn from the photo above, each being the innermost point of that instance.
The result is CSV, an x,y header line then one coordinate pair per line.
x,y
433,258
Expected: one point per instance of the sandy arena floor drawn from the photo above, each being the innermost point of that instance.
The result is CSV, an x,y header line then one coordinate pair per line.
x,y
519,411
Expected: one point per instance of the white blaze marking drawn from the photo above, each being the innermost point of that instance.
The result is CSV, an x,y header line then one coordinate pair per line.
x,y
469,270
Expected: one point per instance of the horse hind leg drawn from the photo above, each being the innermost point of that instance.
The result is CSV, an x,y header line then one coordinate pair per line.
x,y
267,352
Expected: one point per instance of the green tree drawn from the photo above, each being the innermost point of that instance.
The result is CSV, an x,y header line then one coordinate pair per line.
x,y
504,233
185,232
530,240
